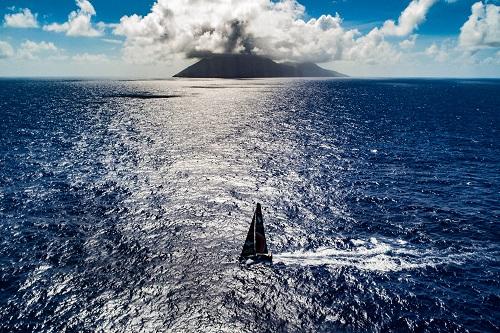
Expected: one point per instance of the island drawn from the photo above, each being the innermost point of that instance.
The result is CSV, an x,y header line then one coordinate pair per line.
x,y
231,66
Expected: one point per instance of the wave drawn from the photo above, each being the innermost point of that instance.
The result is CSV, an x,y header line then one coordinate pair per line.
x,y
374,255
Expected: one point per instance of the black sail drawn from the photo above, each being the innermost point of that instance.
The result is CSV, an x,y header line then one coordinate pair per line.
x,y
249,246
256,238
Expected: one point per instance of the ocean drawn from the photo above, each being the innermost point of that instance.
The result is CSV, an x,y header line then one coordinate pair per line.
x,y
124,205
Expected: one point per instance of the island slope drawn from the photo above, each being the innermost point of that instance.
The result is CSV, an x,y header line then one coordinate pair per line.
x,y
229,66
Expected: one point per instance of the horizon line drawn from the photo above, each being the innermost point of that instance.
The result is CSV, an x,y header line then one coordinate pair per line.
x,y
112,77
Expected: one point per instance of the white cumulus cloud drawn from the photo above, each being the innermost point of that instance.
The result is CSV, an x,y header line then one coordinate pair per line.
x,y
278,29
492,60
408,43
409,19
24,19
482,29
6,50
438,53
30,49
79,22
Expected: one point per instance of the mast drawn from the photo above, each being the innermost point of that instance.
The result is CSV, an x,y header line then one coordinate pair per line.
x,y
254,224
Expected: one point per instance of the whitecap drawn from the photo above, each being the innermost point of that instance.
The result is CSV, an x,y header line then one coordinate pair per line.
x,y
373,255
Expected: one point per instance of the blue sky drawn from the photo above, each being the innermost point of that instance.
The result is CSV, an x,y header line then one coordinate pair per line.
x,y
424,37
443,19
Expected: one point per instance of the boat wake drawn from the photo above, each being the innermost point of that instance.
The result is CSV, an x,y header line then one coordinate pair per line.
x,y
374,255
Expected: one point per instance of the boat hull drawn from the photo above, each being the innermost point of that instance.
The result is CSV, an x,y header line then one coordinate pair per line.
x,y
258,258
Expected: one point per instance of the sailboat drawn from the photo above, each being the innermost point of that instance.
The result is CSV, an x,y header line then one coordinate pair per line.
x,y
255,247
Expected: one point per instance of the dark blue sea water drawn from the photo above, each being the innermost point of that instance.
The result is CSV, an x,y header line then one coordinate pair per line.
x,y
124,205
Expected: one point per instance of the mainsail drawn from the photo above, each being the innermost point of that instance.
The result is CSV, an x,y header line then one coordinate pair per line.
x,y
255,244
